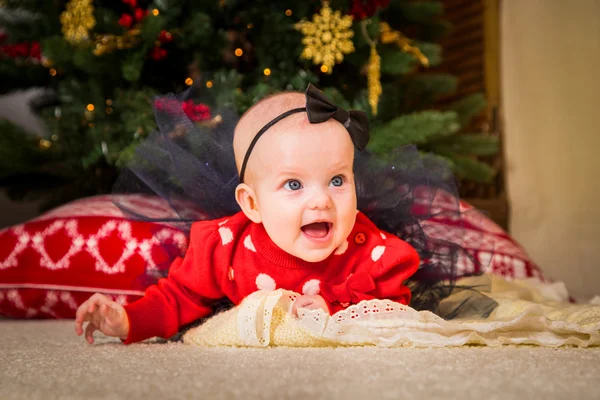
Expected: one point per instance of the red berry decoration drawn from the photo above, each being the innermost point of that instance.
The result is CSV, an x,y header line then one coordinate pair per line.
x,y
139,14
362,9
195,112
158,54
165,37
35,51
126,20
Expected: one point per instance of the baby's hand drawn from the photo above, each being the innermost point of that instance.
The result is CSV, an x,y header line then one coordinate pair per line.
x,y
311,302
104,315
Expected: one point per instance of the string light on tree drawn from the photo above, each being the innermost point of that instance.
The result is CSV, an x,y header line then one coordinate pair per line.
x,y
45,144
327,38
189,81
209,84
267,71
238,52
46,62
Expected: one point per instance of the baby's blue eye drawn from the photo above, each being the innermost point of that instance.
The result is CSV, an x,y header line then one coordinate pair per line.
x,y
337,180
292,184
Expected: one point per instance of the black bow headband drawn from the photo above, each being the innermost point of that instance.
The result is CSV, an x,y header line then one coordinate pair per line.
x,y
320,109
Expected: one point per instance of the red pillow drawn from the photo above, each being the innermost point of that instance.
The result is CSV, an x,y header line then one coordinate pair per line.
x,y
52,264
491,249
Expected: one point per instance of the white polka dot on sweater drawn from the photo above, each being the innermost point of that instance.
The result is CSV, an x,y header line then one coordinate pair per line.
x,y
377,252
312,287
265,282
226,235
248,244
383,236
342,249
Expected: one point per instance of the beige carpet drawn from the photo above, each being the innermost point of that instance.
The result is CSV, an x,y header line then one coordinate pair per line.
x,y
45,360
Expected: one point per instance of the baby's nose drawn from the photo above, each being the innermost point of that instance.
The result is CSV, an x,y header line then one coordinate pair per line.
x,y
320,200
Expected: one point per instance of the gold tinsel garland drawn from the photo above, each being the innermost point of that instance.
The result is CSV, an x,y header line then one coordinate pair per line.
x,y
374,79
373,70
77,21
108,43
327,38
388,35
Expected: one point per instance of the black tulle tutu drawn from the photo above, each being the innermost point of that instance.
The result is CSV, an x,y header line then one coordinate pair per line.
x,y
191,166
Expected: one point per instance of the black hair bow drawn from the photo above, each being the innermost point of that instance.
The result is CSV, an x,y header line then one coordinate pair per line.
x,y
320,109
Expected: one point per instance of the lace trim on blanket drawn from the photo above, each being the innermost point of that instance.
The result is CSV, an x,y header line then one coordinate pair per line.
x,y
264,318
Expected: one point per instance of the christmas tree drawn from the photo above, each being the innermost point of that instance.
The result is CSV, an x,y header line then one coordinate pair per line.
x,y
104,61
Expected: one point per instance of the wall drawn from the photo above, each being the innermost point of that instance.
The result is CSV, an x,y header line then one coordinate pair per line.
x,y
550,51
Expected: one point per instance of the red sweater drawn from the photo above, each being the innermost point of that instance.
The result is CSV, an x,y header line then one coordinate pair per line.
x,y
234,257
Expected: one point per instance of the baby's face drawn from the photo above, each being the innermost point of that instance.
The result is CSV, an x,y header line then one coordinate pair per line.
x,y
304,186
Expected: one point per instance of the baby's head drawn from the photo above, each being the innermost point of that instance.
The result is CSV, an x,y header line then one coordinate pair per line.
x,y
298,180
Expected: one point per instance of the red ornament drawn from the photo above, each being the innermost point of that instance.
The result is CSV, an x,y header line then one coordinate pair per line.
x,y
362,9
126,20
158,54
165,37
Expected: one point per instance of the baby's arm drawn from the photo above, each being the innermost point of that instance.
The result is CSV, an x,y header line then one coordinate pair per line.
x,y
400,264
184,296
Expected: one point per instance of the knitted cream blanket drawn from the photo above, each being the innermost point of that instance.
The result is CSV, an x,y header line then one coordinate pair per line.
x,y
528,312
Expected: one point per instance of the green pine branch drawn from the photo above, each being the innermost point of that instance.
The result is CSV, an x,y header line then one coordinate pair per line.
x,y
416,128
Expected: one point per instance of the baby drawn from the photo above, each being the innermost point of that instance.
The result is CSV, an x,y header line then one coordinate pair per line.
x,y
299,229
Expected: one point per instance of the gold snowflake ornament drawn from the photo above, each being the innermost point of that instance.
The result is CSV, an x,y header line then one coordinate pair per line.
x,y
327,38
77,21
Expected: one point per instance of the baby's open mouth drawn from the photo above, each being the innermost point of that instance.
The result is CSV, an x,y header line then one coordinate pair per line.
x,y
317,229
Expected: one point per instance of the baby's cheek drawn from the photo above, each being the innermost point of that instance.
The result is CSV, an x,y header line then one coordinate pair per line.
x,y
280,228
347,221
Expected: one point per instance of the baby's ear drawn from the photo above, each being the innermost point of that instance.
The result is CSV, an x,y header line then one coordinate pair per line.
x,y
246,198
